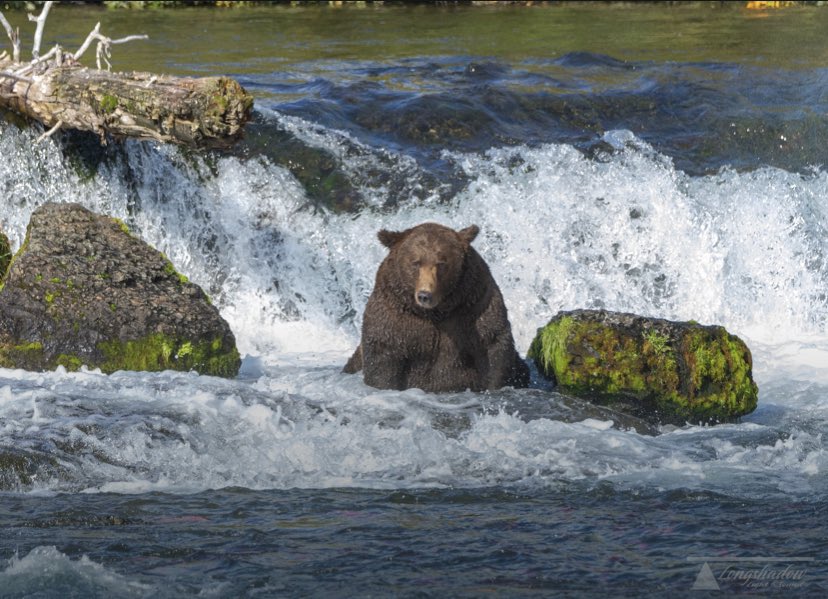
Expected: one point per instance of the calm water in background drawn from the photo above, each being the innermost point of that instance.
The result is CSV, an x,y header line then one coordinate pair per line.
x,y
665,161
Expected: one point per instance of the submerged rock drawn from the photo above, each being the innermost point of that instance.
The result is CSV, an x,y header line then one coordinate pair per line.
x,y
662,371
83,290
21,469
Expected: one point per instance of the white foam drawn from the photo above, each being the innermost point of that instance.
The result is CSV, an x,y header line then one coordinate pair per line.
x,y
305,426
560,231
46,567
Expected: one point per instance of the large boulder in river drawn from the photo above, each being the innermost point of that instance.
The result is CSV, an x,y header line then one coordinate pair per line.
x,y
83,290
658,370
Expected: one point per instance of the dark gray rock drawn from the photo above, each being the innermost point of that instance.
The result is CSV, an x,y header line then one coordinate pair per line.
x,y
21,468
83,290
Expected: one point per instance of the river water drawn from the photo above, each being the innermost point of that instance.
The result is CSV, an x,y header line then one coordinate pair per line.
x,y
669,161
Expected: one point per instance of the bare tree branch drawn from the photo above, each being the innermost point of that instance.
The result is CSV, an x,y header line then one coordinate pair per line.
x,y
104,45
49,133
56,51
41,22
14,36
87,42
129,38
10,75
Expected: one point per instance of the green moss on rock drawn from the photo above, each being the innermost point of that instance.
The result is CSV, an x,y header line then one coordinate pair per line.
x,y
121,225
21,355
170,269
69,362
109,104
83,290
159,352
667,372
5,255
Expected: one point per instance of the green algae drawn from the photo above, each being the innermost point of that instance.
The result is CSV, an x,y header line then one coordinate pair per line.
x,y
27,355
666,372
549,349
23,247
121,225
30,356
5,255
158,352
69,362
170,269
153,353
109,104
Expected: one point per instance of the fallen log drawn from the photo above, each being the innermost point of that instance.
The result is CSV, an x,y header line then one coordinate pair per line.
x,y
56,90
199,112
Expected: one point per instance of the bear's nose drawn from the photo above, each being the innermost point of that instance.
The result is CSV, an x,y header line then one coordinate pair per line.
x,y
424,298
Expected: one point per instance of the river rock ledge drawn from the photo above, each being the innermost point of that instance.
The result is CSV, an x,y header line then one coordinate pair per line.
x,y
82,290
662,371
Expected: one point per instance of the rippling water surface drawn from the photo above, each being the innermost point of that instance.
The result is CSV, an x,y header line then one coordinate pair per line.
x,y
664,161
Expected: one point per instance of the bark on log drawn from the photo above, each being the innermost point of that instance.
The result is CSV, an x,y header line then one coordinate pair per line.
x,y
197,112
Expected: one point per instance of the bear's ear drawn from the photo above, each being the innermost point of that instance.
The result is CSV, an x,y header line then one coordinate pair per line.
x,y
469,233
390,238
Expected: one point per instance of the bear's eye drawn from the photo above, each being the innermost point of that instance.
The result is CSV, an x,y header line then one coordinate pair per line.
x,y
416,263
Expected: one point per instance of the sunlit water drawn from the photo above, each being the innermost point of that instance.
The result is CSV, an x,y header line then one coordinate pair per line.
x,y
597,181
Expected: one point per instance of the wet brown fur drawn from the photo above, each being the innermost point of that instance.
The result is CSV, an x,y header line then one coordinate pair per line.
x,y
436,318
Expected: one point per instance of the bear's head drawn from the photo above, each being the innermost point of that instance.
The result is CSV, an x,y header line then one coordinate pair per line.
x,y
428,260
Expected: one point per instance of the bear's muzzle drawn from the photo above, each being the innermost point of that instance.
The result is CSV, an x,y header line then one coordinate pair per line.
x,y
426,293
425,299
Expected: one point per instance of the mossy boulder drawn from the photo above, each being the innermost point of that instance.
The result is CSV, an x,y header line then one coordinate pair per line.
x,y
82,290
658,370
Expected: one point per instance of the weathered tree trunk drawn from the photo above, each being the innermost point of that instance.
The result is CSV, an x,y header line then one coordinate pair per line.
x,y
199,112
57,91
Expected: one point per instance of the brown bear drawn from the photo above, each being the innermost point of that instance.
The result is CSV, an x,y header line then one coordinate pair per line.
x,y
436,319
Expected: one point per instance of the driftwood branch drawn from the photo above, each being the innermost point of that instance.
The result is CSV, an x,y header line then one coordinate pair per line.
x,y
14,37
50,132
41,23
56,90
104,45
87,42
56,53
13,76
